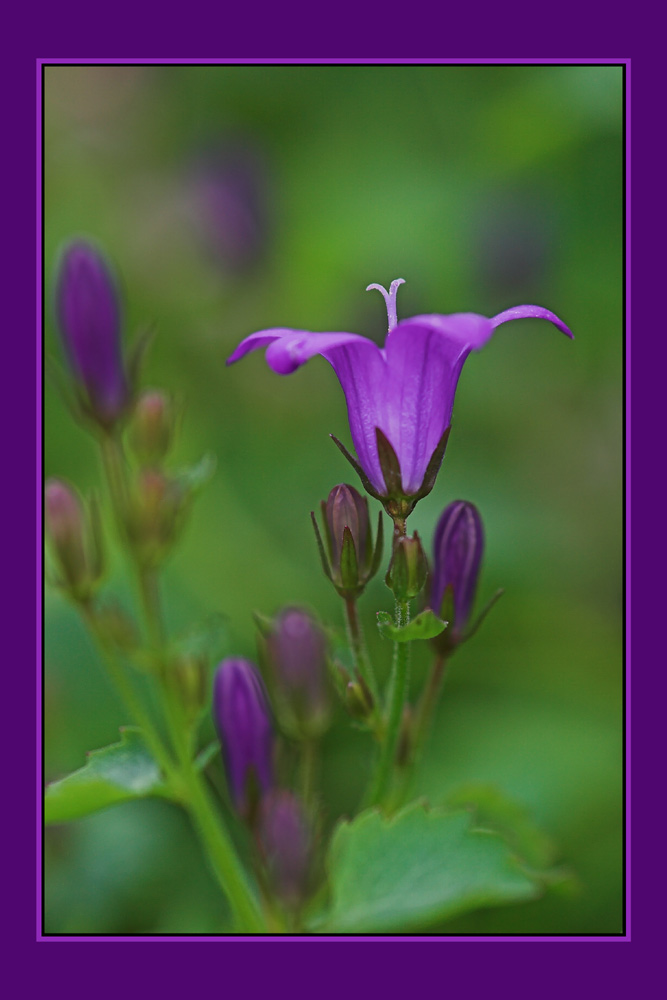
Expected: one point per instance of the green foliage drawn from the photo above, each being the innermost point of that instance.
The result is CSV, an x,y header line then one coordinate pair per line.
x,y
117,773
420,866
425,625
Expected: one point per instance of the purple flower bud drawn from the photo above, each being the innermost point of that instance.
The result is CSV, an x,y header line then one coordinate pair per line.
x,y
74,541
285,841
296,649
230,185
351,559
457,554
89,321
241,715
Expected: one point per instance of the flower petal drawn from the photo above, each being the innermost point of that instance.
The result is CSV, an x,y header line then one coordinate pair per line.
x,y
531,312
424,360
289,349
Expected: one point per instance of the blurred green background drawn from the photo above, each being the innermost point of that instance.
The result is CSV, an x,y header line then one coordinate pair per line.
x,y
483,187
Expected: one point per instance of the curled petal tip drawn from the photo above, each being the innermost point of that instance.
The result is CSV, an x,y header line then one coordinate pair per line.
x,y
531,312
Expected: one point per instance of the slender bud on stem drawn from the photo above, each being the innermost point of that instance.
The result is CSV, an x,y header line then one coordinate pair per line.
x,y
152,427
74,539
241,715
89,321
297,668
350,559
286,844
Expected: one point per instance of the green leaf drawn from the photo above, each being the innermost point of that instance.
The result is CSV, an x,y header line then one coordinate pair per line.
x,y
418,867
493,811
423,626
116,773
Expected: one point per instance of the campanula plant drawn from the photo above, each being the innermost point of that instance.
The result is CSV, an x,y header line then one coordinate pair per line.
x,y
285,860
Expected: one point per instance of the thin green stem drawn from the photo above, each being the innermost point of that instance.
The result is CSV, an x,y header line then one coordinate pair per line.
x,y
398,690
128,695
358,644
308,771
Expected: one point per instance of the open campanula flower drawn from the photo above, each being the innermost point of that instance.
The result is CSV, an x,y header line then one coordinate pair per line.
x,y
400,396
241,715
89,321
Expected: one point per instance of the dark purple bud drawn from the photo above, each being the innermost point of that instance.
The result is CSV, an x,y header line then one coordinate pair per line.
x,y
89,321
241,716
152,428
457,554
351,559
296,647
75,543
408,568
286,844
230,187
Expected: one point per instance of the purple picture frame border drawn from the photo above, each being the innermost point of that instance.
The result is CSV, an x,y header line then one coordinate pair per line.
x,y
315,941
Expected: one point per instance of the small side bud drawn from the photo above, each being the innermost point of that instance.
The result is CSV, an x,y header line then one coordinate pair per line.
x,y
408,568
458,547
359,700
76,547
155,515
151,430
188,676
351,559
242,719
285,843
296,656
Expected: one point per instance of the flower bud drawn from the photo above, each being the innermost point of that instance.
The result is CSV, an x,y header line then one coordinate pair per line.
x,y
155,515
351,559
358,699
408,568
241,716
74,539
458,546
286,844
188,676
231,195
152,428
297,661
89,321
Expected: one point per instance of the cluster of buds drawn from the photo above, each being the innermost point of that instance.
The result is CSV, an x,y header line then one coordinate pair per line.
x,y
74,535
294,651
350,559
243,719
151,431
156,510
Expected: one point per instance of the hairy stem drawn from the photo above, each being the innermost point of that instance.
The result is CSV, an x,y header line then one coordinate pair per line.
x,y
358,644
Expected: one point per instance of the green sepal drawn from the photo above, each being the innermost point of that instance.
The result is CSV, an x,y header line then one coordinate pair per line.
x,y
193,478
425,625
357,468
433,467
136,356
483,613
349,570
117,773
391,469
379,546
320,546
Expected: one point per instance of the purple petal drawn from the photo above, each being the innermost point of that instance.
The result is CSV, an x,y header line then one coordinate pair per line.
x,y
289,349
531,312
425,356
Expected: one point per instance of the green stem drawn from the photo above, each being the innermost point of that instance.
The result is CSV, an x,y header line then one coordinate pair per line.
x,y
398,690
427,704
113,462
358,644
308,771
128,696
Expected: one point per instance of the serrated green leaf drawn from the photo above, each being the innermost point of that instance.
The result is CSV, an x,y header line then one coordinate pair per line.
x,y
423,626
117,773
494,811
420,866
